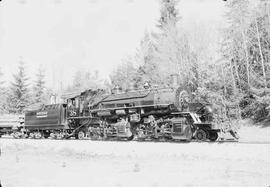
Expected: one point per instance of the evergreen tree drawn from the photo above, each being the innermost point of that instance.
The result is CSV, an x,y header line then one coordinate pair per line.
x,y
246,57
162,54
84,80
173,53
124,75
235,47
169,14
19,92
145,57
3,95
39,88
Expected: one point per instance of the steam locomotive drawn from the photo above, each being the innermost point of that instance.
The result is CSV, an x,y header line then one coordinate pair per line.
x,y
144,114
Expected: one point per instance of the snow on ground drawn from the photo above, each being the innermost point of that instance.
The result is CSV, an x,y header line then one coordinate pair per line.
x,y
254,134
47,163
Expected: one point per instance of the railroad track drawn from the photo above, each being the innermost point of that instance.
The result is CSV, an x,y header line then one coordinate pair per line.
x,y
220,141
156,141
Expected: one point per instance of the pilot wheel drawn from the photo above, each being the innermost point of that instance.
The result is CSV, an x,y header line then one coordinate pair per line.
x,y
213,136
201,135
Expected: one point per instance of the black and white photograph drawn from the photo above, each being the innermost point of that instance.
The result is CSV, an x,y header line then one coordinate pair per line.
x,y
134,93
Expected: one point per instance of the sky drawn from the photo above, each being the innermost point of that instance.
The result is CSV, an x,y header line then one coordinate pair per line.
x,y
64,36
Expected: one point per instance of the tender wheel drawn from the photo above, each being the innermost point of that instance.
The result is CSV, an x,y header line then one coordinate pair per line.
x,y
37,135
16,135
213,136
201,135
46,135
80,135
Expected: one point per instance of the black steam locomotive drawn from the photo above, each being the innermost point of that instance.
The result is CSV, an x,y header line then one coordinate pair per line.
x,y
145,114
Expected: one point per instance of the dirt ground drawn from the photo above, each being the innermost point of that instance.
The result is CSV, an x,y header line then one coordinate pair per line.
x,y
47,163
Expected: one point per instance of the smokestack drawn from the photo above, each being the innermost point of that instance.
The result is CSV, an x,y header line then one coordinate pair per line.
x,y
175,80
